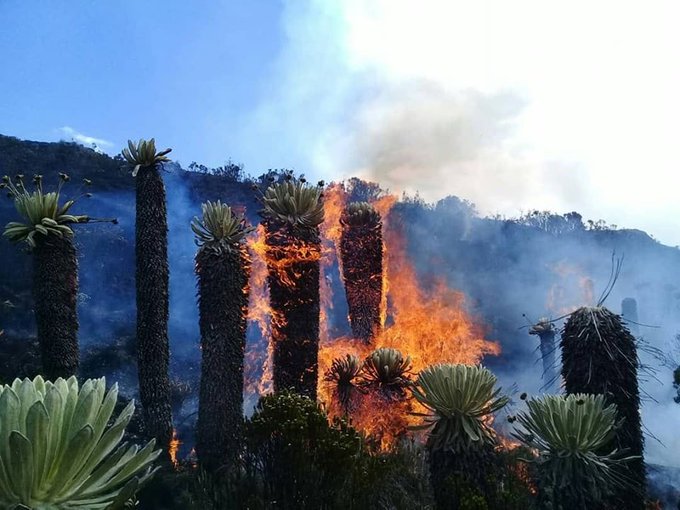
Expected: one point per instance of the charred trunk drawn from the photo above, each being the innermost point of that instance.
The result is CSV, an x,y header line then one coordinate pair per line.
x,y
550,377
55,290
223,303
293,277
361,248
629,311
152,277
599,356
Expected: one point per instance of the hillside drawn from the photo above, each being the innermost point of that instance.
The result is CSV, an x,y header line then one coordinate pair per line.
x,y
543,264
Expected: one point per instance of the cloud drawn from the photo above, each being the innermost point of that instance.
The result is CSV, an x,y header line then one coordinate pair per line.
x,y
515,106
420,136
98,144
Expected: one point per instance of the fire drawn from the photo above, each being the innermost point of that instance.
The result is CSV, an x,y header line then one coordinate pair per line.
x,y
520,469
429,324
173,448
258,371
573,290
333,203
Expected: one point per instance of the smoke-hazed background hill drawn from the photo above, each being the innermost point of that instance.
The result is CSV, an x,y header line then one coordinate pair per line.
x,y
539,265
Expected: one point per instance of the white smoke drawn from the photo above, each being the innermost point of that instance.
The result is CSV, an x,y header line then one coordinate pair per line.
x,y
512,105
98,144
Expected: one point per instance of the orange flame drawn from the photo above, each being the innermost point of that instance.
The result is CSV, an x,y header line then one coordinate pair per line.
x,y
282,260
430,325
520,469
573,290
333,204
173,448
258,371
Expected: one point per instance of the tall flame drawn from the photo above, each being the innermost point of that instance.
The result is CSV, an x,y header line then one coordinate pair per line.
x,y
258,364
428,323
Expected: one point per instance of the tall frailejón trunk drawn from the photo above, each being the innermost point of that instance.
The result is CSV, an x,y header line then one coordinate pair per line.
x,y
599,356
55,290
152,277
361,248
223,303
293,256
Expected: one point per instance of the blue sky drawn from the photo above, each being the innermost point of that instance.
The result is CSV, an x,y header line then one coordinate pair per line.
x,y
530,104
115,70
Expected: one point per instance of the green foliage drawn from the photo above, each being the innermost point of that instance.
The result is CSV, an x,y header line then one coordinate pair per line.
x,y
458,488
56,448
395,480
574,425
360,213
461,398
144,155
571,435
219,229
294,202
171,489
41,212
225,490
302,461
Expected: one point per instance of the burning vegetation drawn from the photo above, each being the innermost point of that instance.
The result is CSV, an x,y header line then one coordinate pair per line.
x,y
361,248
405,387
417,326
292,212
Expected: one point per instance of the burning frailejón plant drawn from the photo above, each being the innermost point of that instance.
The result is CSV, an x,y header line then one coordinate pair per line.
x,y
46,228
222,268
292,212
461,400
573,437
387,371
361,248
599,356
427,322
152,280
343,374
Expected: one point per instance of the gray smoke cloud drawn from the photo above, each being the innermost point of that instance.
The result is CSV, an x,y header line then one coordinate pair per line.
x,y
499,105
